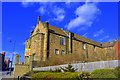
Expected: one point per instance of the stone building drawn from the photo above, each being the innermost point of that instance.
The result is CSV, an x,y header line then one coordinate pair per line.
x,y
49,43
4,62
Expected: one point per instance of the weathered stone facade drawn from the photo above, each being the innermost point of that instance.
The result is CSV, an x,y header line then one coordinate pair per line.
x,y
49,43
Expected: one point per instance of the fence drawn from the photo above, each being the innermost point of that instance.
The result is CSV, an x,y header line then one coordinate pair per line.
x,y
90,66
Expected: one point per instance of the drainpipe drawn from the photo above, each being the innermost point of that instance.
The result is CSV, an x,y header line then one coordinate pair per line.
x,y
69,34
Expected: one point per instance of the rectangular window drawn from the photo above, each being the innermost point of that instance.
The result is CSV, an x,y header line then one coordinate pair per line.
x,y
62,52
62,41
56,51
84,45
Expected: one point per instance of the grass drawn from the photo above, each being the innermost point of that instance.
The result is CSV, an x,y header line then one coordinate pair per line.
x,y
101,74
56,75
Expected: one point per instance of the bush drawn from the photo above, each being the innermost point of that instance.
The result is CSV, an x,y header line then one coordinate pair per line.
x,y
103,73
56,70
69,68
84,75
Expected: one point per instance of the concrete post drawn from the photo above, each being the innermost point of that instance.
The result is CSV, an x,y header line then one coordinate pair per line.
x,y
17,57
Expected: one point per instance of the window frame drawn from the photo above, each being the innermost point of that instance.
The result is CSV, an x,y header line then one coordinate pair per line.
x,y
84,46
56,51
94,48
62,52
62,40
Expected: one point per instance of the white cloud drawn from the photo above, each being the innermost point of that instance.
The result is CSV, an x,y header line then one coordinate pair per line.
x,y
0,32
27,3
41,10
47,9
84,16
52,9
59,17
104,38
100,32
59,13
68,4
85,35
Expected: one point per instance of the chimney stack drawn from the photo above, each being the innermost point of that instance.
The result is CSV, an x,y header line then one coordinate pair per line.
x,y
38,19
46,23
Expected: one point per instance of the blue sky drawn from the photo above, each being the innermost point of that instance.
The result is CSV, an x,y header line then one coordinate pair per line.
x,y
96,21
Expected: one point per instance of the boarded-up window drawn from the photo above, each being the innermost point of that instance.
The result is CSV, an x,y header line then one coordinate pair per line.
x,y
56,51
84,45
62,52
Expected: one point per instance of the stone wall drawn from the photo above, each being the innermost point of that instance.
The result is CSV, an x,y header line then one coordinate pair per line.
x,y
37,43
20,70
90,66
90,54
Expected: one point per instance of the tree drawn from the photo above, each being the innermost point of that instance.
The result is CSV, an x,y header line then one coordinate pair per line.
x,y
69,68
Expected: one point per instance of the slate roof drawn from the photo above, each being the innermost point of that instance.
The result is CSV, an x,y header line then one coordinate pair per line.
x,y
80,38
108,44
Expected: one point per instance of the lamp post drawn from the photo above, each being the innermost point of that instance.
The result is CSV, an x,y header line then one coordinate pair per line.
x,y
12,55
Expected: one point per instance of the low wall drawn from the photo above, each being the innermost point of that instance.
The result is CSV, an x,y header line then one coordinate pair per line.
x,y
90,66
20,69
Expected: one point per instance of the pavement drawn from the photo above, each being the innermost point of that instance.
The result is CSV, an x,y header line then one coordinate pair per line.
x,y
6,75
